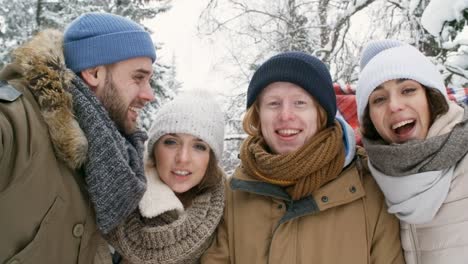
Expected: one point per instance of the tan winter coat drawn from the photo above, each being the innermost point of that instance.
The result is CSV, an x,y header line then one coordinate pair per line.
x,y
46,216
346,221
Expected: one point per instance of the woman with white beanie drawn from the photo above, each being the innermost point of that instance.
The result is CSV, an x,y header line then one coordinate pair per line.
x,y
417,143
184,200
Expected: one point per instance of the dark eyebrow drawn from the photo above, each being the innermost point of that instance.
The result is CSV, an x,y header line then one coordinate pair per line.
x,y
398,81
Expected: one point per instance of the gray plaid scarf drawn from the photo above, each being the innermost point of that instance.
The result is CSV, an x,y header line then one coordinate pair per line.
x,y
114,168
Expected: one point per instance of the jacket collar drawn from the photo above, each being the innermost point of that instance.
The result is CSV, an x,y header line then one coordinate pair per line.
x,y
343,190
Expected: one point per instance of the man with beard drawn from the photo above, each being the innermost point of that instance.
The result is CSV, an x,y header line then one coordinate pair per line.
x,y
70,148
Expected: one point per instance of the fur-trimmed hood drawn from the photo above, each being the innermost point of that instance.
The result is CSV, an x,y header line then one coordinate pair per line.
x,y
40,65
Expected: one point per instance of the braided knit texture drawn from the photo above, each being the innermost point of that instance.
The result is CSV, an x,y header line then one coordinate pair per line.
x,y
114,170
169,237
303,171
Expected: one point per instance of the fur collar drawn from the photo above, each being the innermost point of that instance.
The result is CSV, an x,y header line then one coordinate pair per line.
x,y
158,197
40,64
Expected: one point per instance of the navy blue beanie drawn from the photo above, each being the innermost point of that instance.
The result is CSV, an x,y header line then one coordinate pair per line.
x,y
95,39
301,69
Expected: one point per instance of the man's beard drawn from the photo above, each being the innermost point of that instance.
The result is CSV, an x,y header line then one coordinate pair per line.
x,y
115,106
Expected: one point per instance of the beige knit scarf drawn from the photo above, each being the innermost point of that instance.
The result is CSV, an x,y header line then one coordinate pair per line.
x,y
303,171
171,237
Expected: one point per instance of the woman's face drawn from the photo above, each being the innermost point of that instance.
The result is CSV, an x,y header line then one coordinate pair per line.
x,y
400,111
181,160
288,116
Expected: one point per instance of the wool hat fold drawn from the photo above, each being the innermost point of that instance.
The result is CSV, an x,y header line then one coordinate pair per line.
x,y
385,60
95,39
193,112
299,68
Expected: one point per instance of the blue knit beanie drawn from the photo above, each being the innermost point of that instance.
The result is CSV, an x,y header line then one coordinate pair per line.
x,y
301,69
95,39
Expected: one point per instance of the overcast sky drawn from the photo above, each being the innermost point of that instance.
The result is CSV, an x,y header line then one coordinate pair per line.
x,y
195,57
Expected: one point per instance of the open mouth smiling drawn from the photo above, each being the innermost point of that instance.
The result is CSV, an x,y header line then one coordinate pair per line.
x,y
288,132
403,127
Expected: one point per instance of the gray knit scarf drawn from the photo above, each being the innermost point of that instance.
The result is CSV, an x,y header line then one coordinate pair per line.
x,y
171,238
114,168
415,156
415,177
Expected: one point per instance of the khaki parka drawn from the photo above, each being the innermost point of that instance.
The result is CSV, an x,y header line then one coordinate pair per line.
x,y
345,221
46,216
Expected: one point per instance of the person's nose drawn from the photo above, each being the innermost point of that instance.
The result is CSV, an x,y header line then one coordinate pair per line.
x,y
286,112
395,104
183,155
147,93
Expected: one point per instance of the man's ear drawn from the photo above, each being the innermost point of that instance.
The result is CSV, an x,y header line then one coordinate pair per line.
x,y
94,77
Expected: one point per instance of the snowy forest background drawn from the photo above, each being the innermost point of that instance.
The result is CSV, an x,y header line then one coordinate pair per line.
x,y
253,30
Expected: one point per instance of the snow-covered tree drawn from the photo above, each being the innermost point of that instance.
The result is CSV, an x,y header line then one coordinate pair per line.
x,y
437,28
317,27
234,109
449,25
172,83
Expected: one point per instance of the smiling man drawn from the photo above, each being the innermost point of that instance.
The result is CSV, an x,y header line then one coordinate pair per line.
x,y
70,148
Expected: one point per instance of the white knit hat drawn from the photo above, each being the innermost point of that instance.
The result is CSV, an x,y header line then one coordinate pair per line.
x,y
385,60
193,112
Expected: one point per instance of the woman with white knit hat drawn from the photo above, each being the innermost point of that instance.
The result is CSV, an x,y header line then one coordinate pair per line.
x,y
184,200
417,143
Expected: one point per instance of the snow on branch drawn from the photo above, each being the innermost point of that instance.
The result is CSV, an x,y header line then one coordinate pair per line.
x,y
438,12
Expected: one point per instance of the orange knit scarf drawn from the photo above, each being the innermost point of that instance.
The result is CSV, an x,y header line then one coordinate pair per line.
x,y
303,171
